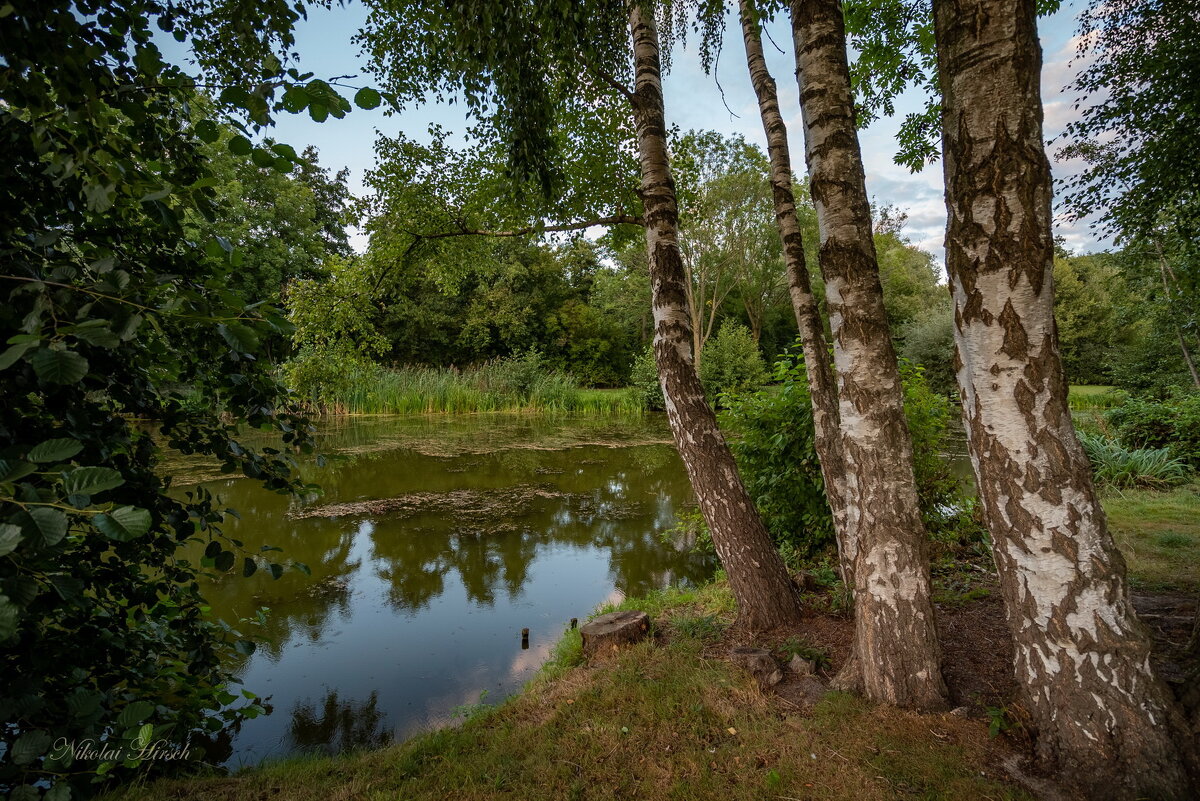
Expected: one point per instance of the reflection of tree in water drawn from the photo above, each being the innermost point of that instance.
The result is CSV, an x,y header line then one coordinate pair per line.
x,y
415,562
624,517
338,726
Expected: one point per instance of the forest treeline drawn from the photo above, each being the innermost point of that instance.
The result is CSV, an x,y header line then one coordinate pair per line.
x,y
167,263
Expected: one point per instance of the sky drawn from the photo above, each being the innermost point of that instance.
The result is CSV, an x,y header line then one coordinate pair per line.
x,y
324,43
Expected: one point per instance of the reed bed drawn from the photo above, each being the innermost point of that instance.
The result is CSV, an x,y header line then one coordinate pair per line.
x,y
496,386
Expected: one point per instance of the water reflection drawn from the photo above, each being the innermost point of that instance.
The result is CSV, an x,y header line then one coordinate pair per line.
x,y
412,612
338,725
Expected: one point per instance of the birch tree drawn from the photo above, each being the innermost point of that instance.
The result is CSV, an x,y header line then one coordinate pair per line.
x,y
1082,659
823,392
895,637
531,73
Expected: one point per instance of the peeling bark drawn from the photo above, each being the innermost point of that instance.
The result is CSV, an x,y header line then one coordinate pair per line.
x,y
765,594
827,436
895,639
1099,714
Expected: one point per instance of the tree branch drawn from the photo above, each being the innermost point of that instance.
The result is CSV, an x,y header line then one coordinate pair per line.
x,y
616,219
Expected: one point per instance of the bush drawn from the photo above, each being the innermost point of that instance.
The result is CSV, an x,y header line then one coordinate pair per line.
x,y
644,381
731,363
929,342
1115,465
1173,424
772,438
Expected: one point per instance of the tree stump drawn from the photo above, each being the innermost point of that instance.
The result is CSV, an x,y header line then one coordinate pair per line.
x,y
607,634
759,663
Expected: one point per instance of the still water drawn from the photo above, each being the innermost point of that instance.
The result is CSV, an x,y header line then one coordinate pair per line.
x,y
435,542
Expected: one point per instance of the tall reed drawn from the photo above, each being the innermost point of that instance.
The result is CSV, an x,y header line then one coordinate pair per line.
x,y
499,385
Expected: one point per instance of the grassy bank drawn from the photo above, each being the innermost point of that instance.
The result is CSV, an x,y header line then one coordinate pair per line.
x,y
491,387
672,720
1159,534
663,721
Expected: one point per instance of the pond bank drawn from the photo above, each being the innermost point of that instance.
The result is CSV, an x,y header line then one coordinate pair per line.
x,y
667,719
672,719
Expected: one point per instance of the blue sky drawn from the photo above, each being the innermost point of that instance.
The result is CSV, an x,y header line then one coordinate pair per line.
x,y
693,101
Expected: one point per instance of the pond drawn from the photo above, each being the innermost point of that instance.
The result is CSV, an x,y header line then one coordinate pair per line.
x,y
435,542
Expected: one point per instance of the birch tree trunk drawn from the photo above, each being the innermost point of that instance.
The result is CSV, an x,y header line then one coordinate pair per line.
x,y
823,392
1099,713
765,594
895,639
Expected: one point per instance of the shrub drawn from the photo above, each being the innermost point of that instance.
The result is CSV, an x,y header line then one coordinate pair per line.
x,y
644,381
731,363
1173,424
1115,465
929,342
772,438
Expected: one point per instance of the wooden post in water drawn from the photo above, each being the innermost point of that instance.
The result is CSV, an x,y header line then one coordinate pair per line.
x,y
524,639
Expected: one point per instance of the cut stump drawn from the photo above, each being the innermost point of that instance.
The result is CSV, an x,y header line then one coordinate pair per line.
x,y
609,633
759,663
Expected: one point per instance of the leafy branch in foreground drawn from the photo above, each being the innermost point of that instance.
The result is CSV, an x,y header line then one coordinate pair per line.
x,y
115,313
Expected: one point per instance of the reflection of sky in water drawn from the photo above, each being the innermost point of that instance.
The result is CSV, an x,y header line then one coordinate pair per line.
x,y
408,618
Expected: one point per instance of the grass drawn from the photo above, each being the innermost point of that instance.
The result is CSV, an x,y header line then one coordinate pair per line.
x,y
490,387
1088,397
1117,466
660,721
1159,534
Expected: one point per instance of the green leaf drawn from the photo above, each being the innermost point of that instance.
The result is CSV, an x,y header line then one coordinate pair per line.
x,y
240,146
59,792
241,338
245,647
10,538
134,714
124,523
300,567
90,480
52,523
11,470
318,111
55,450
262,158
59,366
248,567
367,98
224,561
29,746
10,356
208,131
276,570
95,332
8,618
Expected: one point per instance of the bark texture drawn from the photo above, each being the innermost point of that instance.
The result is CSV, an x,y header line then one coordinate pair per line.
x,y
822,390
1100,715
895,639
765,594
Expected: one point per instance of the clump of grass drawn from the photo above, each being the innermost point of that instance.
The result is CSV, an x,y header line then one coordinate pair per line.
x,y
1115,465
1088,397
707,628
